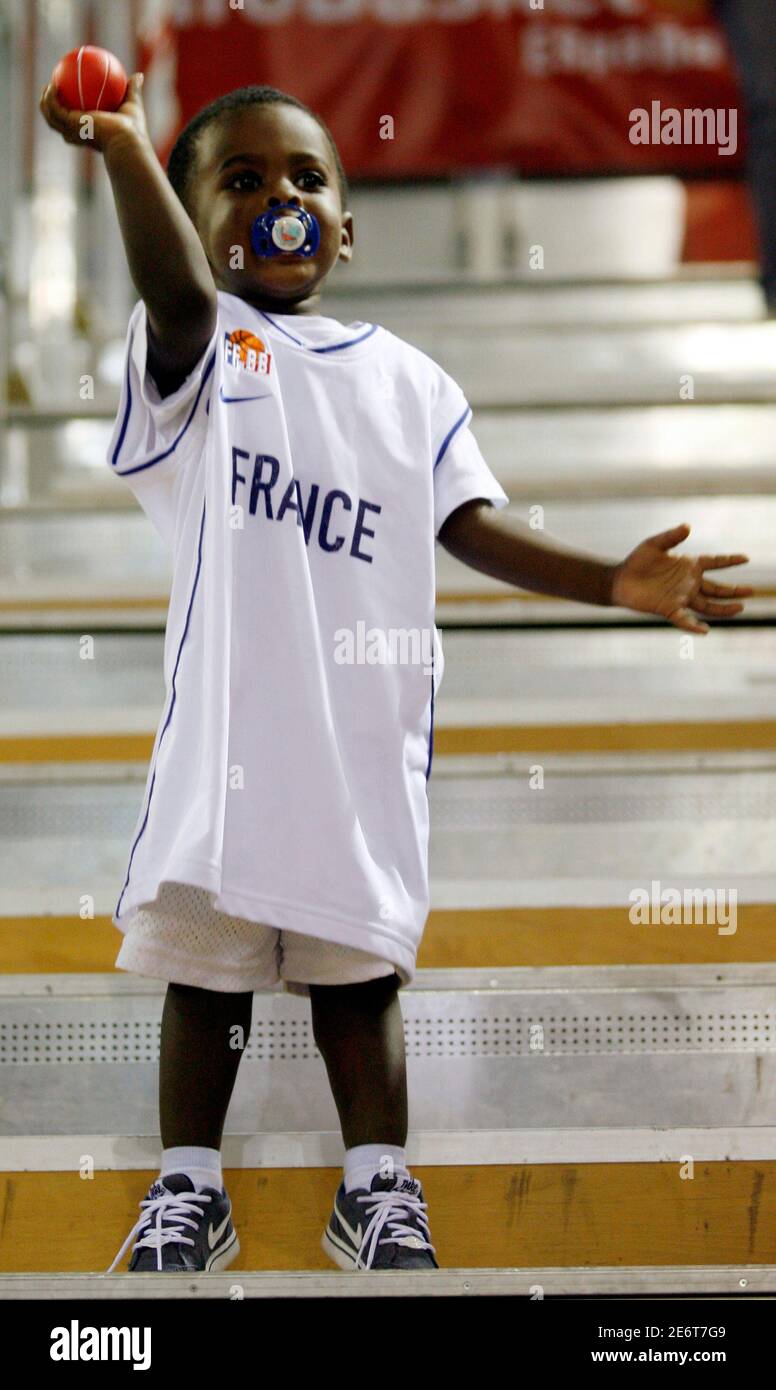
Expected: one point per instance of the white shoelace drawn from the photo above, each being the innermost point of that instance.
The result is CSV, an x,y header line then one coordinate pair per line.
x,y
170,1213
387,1209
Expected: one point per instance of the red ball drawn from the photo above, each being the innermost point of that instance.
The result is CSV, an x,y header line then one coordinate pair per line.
x,y
90,79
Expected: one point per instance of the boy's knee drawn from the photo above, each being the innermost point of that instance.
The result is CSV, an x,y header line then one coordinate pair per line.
x,y
213,998
362,994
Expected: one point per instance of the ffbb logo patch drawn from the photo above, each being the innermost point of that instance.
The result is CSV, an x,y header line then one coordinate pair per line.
x,y
244,350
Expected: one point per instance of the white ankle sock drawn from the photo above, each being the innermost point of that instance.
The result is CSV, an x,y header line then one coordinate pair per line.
x,y
202,1166
363,1161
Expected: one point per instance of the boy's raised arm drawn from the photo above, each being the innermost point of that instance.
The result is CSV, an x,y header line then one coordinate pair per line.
x,y
166,259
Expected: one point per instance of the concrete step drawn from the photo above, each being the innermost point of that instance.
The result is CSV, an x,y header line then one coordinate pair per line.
x,y
661,1047
506,691
650,1281
597,827
546,302
609,365
58,460
113,568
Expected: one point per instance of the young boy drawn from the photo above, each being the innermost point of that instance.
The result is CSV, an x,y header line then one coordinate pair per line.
x,y
300,471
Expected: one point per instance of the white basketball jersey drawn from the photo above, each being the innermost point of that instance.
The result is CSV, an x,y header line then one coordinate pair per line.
x,y
300,476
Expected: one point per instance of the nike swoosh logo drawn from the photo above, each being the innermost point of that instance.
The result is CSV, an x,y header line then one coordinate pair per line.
x,y
231,400
357,1235
213,1237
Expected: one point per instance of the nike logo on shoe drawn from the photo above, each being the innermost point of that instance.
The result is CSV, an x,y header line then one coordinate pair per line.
x,y
213,1236
357,1235
409,1185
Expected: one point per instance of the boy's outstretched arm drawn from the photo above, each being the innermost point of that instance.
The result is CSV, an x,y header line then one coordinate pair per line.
x,y
166,259
649,580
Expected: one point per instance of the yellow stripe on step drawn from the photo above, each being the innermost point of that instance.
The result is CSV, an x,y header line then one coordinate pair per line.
x,y
562,936
76,748
605,738
487,938
448,740
67,605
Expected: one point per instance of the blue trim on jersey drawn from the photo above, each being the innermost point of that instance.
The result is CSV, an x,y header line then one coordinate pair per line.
x,y
333,347
141,831
282,330
139,468
446,440
431,730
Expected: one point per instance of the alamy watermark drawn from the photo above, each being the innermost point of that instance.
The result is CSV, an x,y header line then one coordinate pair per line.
x,y
659,906
73,1342
691,126
393,646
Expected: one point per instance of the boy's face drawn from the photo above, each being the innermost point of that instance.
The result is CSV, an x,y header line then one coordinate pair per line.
x,y
284,157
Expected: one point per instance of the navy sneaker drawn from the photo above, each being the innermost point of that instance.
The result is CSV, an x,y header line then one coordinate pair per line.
x,y
384,1228
182,1230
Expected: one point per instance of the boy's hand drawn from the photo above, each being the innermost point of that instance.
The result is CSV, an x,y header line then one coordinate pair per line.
x,y
107,125
650,580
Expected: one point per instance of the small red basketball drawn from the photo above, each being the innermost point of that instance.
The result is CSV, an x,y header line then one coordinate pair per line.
x,y
90,79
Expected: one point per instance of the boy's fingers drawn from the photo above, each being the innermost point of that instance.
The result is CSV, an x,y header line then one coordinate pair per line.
x,y
717,610
684,619
134,90
57,113
51,98
51,111
62,119
666,539
720,562
713,590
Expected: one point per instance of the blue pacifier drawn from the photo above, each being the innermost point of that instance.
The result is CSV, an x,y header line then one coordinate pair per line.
x,y
285,228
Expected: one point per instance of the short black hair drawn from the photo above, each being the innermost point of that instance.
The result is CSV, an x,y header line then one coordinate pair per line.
x,y
181,165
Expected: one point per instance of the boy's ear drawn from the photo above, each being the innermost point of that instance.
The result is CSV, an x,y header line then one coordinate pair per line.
x,y
346,246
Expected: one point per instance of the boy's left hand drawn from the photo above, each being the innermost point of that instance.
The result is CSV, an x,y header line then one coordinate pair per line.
x,y
650,580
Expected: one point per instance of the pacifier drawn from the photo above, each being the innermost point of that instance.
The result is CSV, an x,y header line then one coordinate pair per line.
x,y
285,228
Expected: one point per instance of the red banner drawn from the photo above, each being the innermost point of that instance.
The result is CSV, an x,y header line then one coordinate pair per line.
x,y
414,88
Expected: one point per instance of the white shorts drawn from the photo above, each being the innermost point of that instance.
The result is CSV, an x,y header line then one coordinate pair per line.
x,y
181,938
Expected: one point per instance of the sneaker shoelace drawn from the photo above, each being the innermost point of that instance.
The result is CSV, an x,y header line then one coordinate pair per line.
x,y
165,1218
390,1209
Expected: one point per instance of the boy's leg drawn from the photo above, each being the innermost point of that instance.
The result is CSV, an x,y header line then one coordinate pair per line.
x,y
359,1031
198,1063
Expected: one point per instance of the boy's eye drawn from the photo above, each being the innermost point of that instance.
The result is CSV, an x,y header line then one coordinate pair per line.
x,y
249,174
232,182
